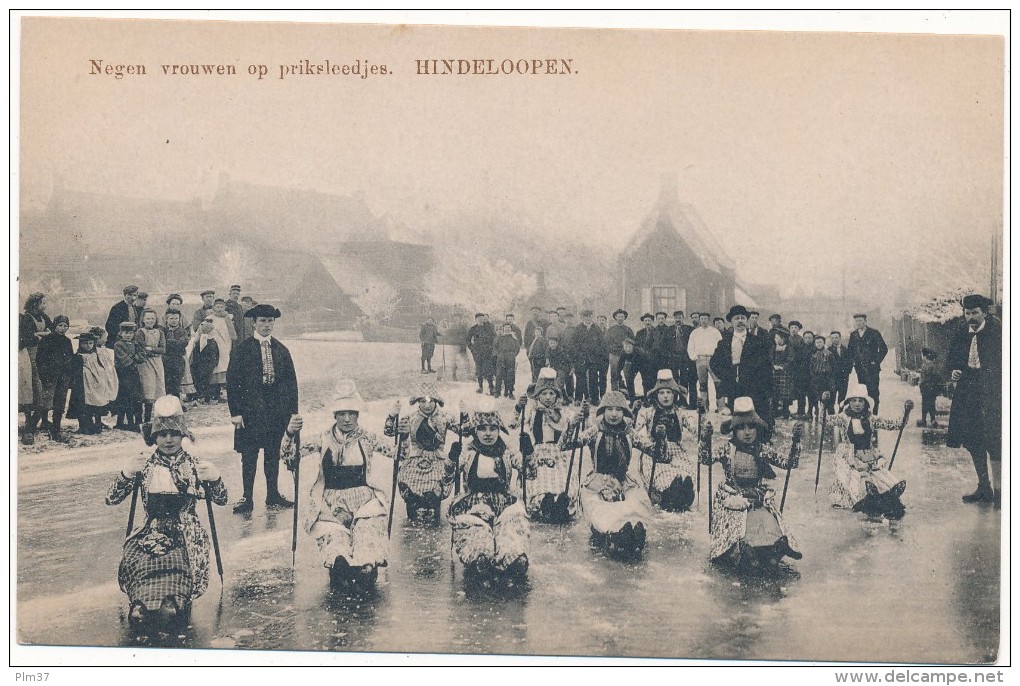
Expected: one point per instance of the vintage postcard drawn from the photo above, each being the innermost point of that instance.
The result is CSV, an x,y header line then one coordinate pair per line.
x,y
394,338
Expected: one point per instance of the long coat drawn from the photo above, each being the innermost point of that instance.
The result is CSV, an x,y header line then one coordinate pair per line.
x,y
867,351
975,418
752,376
266,409
119,313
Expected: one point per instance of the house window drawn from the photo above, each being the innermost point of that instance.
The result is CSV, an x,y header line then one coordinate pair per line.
x,y
667,299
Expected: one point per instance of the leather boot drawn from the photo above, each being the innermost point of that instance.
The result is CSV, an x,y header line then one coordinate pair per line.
x,y
273,496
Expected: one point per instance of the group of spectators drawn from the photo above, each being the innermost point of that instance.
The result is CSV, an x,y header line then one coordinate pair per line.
x,y
794,371
120,369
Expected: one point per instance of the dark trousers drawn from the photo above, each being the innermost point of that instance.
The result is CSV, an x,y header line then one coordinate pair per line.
x,y
840,390
271,465
484,368
173,374
427,351
568,385
587,383
60,390
506,372
869,377
928,396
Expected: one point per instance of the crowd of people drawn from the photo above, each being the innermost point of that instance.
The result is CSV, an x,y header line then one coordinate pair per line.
x,y
579,425
784,368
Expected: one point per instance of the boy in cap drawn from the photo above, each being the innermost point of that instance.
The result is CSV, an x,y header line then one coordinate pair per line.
x,y
53,356
236,311
428,334
262,395
129,393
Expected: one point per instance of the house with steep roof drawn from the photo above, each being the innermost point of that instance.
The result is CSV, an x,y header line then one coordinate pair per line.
x,y
674,262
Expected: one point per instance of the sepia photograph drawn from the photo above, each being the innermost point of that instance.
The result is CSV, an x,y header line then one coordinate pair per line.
x,y
674,338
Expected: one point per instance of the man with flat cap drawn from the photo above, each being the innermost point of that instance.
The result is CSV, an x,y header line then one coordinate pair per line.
x,y
208,298
743,364
262,395
236,312
867,349
975,418
123,311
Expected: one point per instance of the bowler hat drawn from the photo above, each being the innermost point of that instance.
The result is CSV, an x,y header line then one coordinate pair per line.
x,y
735,310
974,300
263,310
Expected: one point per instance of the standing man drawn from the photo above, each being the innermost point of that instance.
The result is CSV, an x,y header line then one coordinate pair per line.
x,y
236,312
615,336
428,335
208,298
867,349
121,312
480,340
752,323
140,303
587,352
688,377
975,419
534,323
841,365
643,341
247,321
743,364
602,361
509,319
700,347
262,395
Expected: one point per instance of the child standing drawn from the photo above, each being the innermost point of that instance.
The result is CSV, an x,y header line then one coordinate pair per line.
x,y
205,357
822,379
151,344
129,395
930,384
428,335
92,376
177,338
52,359
505,349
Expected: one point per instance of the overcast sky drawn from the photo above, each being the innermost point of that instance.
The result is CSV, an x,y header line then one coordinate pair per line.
x,y
802,151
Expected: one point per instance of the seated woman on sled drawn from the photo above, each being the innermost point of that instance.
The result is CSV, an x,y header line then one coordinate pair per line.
x,y
166,560
490,530
425,476
747,527
616,506
657,432
548,494
861,481
345,515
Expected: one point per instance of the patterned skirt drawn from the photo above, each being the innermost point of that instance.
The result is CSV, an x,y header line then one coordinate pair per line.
x,y
428,473
850,485
609,504
351,523
490,527
753,526
551,467
150,578
681,465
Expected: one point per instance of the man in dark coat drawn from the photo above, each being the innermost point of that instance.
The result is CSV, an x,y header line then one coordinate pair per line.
x,y
975,419
262,395
123,311
208,298
644,364
842,363
533,324
587,348
743,364
867,349
236,312
687,375
615,336
481,338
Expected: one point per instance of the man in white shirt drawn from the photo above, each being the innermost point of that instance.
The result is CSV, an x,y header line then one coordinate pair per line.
x,y
700,347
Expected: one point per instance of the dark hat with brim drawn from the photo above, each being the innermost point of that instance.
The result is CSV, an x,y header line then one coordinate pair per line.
x,y
621,311
974,301
86,336
735,310
263,311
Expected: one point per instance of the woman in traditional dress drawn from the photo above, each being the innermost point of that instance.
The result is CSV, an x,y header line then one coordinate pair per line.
x,y
616,506
166,560
345,514
490,529
861,481
747,528
150,342
32,326
658,430
426,475
548,494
